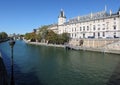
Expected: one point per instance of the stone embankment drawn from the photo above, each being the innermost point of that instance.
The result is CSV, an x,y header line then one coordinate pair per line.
x,y
44,44
113,47
99,45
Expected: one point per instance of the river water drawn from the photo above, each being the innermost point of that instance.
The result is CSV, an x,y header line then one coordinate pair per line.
x,y
42,65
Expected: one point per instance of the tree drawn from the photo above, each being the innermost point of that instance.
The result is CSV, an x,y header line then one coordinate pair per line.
x,y
65,37
30,36
51,37
38,37
27,36
41,35
3,35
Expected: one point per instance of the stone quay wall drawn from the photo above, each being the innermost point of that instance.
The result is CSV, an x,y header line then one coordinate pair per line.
x,y
97,43
93,43
101,45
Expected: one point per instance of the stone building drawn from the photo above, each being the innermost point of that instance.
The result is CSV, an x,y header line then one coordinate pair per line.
x,y
93,25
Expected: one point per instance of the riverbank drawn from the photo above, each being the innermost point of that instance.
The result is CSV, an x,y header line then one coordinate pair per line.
x,y
45,44
109,46
3,40
102,49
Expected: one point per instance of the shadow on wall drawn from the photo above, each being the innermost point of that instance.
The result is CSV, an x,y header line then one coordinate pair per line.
x,y
115,78
20,77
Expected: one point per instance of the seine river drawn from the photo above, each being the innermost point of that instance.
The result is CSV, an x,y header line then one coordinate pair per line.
x,y
42,65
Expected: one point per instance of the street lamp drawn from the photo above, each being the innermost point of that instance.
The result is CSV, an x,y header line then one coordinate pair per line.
x,y
12,43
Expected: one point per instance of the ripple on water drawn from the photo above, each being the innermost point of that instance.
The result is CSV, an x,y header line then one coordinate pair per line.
x,y
41,65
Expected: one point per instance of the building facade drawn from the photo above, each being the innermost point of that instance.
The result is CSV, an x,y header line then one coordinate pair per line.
x,y
93,25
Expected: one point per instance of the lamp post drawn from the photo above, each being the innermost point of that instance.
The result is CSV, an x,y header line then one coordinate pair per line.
x,y
12,43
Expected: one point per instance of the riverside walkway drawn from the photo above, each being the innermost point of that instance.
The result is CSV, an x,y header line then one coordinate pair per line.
x,y
3,73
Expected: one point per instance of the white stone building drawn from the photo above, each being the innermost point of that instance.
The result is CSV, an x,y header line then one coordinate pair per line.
x,y
93,25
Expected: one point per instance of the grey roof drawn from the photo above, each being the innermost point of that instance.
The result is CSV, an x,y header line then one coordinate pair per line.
x,y
90,17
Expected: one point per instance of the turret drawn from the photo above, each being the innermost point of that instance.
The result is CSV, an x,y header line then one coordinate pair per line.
x,y
61,18
118,12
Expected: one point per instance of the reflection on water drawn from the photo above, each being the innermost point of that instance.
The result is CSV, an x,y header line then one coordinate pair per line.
x,y
41,65
115,78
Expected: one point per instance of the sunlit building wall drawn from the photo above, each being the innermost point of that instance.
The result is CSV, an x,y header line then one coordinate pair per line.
x,y
94,25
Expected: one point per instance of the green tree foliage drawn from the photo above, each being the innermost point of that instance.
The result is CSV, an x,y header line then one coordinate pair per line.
x,y
56,38
65,37
43,31
51,37
30,36
43,28
3,35
38,37
46,35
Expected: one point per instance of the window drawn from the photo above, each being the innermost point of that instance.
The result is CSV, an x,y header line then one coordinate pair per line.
x,y
98,28
94,27
72,35
94,34
75,35
75,29
114,34
72,29
83,28
114,27
114,18
103,34
83,35
98,34
103,29
87,28
80,29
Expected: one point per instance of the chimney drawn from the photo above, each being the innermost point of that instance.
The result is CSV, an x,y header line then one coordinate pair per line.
x,y
110,12
91,15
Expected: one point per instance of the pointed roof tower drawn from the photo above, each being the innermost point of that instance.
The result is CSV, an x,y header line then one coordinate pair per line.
x,y
118,10
62,14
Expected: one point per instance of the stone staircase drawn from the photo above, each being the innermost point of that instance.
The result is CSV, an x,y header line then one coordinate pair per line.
x,y
113,46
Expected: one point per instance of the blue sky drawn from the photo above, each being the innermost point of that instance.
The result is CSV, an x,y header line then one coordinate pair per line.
x,y
21,16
